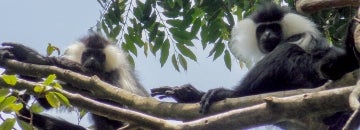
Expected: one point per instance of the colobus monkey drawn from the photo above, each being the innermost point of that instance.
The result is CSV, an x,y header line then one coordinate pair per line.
x,y
290,51
295,55
92,55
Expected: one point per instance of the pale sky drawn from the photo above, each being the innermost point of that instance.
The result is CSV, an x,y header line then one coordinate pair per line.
x,y
36,23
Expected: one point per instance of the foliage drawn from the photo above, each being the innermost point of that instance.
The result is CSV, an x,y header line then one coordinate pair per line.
x,y
12,100
158,26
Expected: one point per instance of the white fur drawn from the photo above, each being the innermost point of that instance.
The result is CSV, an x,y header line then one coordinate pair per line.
x,y
304,42
74,52
116,60
243,42
295,24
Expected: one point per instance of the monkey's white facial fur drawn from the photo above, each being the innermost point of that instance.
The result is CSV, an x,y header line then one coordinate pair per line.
x,y
115,57
74,52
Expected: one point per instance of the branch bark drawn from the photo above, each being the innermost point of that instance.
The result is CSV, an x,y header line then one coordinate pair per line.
x,y
250,111
311,6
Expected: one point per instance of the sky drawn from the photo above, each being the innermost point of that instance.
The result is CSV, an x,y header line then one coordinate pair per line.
x,y
35,23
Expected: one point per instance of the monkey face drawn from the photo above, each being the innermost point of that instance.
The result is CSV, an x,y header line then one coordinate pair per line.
x,y
268,36
93,60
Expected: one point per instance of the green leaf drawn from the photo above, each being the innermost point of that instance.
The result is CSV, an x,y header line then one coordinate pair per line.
x,y
182,61
115,32
186,51
82,113
147,8
159,41
50,79
151,47
130,45
63,99
171,13
7,101
16,106
108,22
131,61
150,21
175,23
227,59
36,108
8,124
138,11
219,49
154,32
10,79
204,33
52,99
164,52
24,125
175,63
181,36
146,49
2,98
105,28
4,92
50,49
198,13
196,26
112,17
57,85
39,89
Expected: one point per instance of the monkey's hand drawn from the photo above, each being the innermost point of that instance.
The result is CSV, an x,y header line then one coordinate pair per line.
x,y
23,53
214,95
183,94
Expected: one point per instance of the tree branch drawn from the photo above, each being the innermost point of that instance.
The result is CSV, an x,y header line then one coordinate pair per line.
x,y
311,6
314,103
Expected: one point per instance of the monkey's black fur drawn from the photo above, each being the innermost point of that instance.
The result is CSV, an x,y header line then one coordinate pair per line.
x,y
290,60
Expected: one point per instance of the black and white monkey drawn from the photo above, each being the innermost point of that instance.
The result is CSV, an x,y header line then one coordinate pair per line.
x,y
92,55
290,54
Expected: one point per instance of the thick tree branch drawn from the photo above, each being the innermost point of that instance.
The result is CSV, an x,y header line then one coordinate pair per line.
x,y
311,6
357,31
314,103
293,107
146,104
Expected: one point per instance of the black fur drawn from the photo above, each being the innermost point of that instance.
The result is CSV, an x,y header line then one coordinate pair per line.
x,y
286,65
269,13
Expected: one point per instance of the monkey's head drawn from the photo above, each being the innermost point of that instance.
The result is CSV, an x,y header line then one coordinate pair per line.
x,y
267,27
93,57
97,55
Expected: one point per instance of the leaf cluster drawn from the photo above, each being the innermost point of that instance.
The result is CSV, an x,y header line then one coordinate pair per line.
x,y
173,28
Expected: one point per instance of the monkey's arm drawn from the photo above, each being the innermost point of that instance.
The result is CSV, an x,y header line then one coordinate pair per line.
x,y
25,54
347,62
183,94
